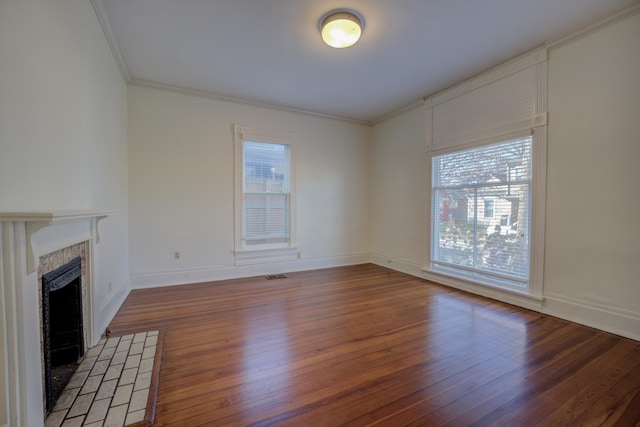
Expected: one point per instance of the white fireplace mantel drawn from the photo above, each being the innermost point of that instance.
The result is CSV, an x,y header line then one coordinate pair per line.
x,y
25,237
37,220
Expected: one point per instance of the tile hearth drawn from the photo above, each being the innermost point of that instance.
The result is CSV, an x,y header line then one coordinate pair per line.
x,y
111,386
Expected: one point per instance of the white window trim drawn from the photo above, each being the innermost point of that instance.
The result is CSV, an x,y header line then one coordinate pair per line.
x,y
532,296
265,253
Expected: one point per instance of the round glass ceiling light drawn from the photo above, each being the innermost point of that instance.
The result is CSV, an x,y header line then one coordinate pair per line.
x,y
341,28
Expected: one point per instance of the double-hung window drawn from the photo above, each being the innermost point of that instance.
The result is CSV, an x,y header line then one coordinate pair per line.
x,y
265,198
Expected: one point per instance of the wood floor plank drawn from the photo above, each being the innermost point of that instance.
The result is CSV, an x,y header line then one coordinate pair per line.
x,y
364,345
524,402
505,385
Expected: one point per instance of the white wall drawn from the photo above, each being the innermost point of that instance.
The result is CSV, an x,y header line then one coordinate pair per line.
x,y
181,187
593,201
399,193
63,127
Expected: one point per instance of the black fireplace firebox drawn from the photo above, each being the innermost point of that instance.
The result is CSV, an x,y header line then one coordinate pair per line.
x,y
63,335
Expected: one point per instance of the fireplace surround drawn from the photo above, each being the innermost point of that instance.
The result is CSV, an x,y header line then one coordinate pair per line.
x,y
26,238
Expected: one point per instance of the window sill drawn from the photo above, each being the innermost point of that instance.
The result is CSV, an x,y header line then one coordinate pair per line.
x,y
520,298
265,256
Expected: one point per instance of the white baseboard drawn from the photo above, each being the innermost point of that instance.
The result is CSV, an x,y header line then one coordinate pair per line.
x,y
400,265
605,318
110,308
209,274
608,319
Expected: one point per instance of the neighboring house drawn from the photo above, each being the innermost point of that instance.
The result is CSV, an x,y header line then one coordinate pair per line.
x,y
498,205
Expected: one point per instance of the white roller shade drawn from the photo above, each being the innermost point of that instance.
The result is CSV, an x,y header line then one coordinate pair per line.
x,y
499,103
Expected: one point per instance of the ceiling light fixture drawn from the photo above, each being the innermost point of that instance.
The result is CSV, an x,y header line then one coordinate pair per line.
x,y
341,27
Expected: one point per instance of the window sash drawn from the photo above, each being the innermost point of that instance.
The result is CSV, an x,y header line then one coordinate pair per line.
x,y
464,241
266,197
266,218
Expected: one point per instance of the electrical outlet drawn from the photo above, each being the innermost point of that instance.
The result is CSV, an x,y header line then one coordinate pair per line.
x,y
176,255
110,286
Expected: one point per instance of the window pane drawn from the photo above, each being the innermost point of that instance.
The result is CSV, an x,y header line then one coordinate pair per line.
x,y
266,177
266,218
481,200
266,167
488,208
502,162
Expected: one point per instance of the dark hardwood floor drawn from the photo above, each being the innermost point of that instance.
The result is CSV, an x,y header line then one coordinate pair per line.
x,y
364,345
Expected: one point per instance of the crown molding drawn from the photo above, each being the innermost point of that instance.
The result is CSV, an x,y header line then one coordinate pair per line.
x,y
605,21
500,71
596,26
392,114
600,24
101,14
206,94
98,7
504,69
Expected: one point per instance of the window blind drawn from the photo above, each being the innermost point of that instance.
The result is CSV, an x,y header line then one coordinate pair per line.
x,y
481,212
266,193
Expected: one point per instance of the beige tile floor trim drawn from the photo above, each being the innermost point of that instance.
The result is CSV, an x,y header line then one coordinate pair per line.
x,y
111,386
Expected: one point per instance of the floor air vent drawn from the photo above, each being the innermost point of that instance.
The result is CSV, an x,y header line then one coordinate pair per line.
x,y
276,276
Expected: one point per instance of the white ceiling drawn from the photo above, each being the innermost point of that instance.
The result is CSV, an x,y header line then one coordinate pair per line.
x,y
270,51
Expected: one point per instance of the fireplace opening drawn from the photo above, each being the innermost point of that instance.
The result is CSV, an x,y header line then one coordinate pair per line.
x,y
63,335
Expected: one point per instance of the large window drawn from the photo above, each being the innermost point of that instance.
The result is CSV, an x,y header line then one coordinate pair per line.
x,y
265,204
481,207
486,141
